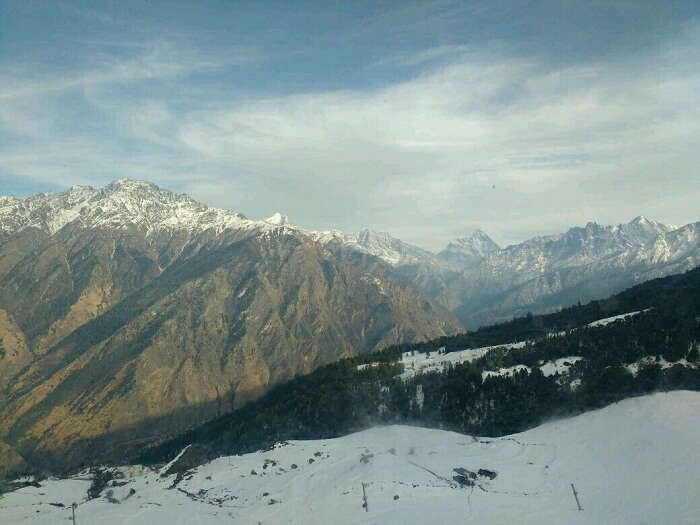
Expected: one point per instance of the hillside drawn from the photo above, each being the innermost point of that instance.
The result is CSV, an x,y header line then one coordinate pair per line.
x,y
505,386
631,462
129,314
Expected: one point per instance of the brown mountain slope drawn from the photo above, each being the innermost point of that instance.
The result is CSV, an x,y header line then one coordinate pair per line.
x,y
130,337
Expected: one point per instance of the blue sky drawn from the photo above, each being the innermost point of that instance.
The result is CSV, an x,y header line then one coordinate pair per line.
x,y
423,119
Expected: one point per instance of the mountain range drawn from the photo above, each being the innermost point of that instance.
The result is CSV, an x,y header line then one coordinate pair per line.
x,y
482,283
130,313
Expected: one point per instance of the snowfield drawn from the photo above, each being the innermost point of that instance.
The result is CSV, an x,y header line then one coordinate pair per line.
x,y
634,462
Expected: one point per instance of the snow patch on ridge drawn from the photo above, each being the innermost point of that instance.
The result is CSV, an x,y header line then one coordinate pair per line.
x,y
608,320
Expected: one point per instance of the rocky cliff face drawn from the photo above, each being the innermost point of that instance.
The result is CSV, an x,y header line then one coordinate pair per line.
x,y
128,314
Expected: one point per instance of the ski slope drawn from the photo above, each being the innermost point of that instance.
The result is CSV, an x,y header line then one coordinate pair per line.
x,y
634,462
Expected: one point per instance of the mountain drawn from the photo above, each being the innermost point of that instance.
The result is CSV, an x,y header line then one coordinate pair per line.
x,y
631,462
494,381
428,271
379,244
484,284
470,250
278,219
130,313
548,273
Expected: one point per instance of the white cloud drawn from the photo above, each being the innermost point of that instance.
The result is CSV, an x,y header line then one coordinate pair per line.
x,y
161,60
509,143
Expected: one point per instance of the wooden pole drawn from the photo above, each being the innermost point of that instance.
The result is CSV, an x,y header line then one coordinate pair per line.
x,y
573,489
364,498
72,508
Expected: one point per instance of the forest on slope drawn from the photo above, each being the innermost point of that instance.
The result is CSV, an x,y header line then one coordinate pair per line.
x,y
503,391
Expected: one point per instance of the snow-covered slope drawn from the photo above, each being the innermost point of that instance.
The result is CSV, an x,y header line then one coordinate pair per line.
x,y
415,362
632,462
126,203
577,247
277,219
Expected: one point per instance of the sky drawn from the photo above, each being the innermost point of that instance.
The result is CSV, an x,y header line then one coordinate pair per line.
x,y
422,119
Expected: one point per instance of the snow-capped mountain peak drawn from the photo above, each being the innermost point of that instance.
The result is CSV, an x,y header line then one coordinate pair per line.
x,y
469,249
389,248
478,243
121,204
641,230
277,219
380,244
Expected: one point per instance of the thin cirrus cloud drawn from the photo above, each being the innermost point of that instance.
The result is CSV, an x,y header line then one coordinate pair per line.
x,y
473,136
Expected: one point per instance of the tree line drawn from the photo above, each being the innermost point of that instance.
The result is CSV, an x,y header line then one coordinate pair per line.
x,y
344,397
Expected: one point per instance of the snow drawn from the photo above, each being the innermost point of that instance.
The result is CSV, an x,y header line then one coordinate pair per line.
x,y
380,244
598,248
170,463
126,204
608,320
368,365
559,366
658,360
632,462
278,219
419,363
505,372
476,246
122,204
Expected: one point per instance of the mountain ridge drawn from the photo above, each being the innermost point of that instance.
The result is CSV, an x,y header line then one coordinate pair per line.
x,y
473,277
483,283
131,304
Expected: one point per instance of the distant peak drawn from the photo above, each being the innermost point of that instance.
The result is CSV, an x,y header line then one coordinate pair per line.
x,y
80,187
477,236
478,233
277,219
131,184
641,220
474,246
367,234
